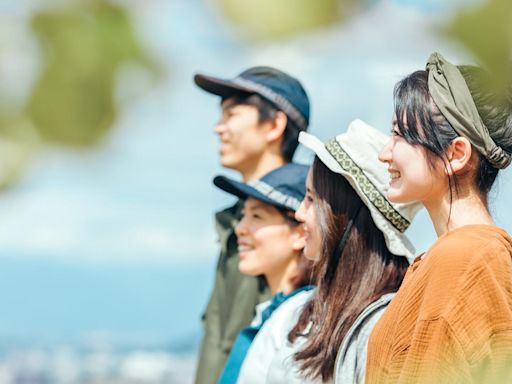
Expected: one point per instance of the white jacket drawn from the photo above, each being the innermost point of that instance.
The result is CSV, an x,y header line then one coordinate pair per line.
x,y
270,358
271,338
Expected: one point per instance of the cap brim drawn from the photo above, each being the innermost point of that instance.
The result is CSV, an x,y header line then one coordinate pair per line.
x,y
397,243
221,87
243,191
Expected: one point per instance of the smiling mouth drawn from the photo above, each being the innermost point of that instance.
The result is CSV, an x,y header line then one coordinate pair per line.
x,y
244,248
394,175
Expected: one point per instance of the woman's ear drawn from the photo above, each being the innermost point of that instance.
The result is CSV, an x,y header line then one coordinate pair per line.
x,y
459,155
298,238
277,127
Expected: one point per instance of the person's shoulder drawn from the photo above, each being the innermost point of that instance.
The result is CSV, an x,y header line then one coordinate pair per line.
x,y
292,307
370,316
473,244
273,336
299,299
352,353
284,318
467,260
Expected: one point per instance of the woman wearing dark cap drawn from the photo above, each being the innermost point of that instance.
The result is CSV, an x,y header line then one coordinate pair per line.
x,y
451,321
270,244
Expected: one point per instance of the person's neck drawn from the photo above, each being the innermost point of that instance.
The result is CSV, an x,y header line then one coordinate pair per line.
x,y
267,162
464,210
282,280
278,284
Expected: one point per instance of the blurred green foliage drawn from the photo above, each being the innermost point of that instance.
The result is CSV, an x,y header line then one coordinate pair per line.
x,y
14,155
265,19
83,47
82,44
486,32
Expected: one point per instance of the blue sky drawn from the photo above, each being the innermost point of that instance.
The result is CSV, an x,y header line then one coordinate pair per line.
x,y
143,200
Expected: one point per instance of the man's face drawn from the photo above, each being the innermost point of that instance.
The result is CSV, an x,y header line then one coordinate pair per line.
x,y
242,136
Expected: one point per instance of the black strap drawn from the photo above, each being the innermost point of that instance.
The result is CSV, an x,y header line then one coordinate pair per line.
x,y
336,255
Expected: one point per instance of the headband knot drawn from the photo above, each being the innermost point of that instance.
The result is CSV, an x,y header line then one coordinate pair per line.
x,y
453,98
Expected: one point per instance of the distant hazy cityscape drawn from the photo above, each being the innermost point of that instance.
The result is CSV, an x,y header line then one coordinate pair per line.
x,y
132,326
95,364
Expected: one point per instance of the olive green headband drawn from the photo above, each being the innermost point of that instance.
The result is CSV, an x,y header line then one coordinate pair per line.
x,y
451,95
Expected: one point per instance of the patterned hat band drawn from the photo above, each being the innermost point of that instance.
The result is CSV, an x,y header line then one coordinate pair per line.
x,y
280,198
369,189
277,99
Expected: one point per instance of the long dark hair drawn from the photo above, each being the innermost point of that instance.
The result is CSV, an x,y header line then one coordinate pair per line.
x,y
421,122
347,282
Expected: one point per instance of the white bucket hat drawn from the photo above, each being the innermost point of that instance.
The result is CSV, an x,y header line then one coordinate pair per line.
x,y
354,155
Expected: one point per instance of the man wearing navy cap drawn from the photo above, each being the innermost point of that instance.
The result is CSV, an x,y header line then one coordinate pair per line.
x,y
263,111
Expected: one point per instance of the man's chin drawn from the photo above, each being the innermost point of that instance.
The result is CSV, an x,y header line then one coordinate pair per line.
x,y
226,162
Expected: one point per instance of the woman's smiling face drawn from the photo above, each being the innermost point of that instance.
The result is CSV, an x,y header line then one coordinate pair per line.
x,y
267,242
412,177
307,214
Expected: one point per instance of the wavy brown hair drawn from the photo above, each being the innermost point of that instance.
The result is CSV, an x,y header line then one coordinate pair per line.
x,y
347,282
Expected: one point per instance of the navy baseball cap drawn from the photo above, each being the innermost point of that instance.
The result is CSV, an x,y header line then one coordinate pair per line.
x,y
283,187
281,89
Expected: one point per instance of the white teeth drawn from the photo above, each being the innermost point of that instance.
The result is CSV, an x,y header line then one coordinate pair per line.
x,y
243,248
394,175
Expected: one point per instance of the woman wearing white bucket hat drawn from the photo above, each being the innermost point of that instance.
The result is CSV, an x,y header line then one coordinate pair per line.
x,y
355,235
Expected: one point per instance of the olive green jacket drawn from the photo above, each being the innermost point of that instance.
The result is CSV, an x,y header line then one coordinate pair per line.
x,y
232,302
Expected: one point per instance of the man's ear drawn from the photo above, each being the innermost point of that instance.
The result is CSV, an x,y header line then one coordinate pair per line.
x,y
458,154
277,127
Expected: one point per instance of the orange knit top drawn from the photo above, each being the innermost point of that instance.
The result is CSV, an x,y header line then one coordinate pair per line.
x,y
451,320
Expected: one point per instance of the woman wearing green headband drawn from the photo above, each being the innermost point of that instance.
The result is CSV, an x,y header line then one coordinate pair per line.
x,y
451,321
